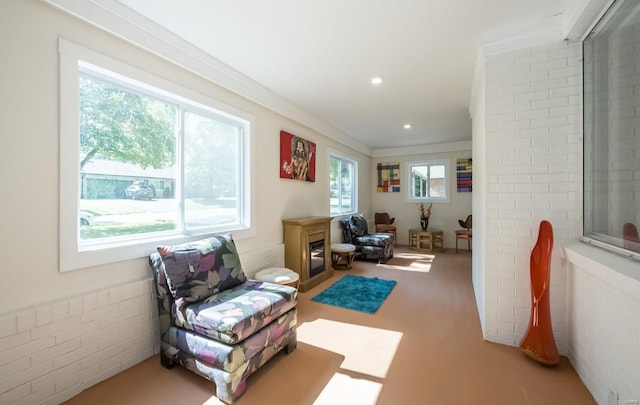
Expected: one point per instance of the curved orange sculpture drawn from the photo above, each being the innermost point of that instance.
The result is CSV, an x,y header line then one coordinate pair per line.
x,y
538,342
630,237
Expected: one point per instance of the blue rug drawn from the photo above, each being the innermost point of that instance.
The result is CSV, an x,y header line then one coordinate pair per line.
x,y
356,292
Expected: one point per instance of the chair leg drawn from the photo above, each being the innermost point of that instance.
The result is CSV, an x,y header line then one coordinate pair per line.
x,y
291,346
165,361
456,243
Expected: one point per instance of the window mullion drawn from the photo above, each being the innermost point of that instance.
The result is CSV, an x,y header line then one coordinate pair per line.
x,y
428,183
339,182
180,138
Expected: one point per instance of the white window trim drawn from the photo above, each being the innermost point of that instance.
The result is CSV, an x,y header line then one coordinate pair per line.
x,y
447,181
602,241
355,189
71,256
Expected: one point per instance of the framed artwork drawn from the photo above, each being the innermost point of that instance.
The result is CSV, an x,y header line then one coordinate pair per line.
x,y
463,170
297,158
388,178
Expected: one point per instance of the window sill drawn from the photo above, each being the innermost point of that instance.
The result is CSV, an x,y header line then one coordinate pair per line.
x,y
72,259
621,273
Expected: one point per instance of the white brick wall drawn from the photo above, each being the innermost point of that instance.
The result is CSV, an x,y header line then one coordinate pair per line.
x,y
604,323
54,351
533,157
532,150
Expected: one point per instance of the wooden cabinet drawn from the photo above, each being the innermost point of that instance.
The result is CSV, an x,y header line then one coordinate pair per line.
x,y
307,249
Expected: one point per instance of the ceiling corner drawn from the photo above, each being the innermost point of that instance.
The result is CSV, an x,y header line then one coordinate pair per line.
x,y
582,15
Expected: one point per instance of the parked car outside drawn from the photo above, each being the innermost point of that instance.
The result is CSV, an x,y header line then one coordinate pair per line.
x,y
86,218
139,191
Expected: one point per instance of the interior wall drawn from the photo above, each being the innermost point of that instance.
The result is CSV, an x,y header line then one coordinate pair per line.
x,y
478,121
61,333
603,304
533,172
29,126
444,216
531,154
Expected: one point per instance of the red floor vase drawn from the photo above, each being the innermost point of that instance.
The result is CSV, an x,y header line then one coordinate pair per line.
x,y
630,237
538,342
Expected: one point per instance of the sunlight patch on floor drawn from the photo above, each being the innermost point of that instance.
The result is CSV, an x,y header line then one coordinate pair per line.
x,y
366,350
418,262
343,389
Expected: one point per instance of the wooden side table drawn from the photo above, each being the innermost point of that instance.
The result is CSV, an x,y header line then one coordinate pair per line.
x,y
279,275
426,240
412,238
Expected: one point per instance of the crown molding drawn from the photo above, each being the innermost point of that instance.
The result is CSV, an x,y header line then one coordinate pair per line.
x,y
119,20
539,38
582,16
423,149
575,23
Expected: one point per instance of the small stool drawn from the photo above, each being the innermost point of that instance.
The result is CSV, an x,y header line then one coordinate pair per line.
x,y
342,255
279,275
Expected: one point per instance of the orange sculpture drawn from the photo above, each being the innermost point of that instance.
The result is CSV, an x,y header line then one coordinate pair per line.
x,y
538,342
630,237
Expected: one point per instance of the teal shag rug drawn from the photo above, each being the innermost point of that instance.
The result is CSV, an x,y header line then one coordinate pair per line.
x,y
359,293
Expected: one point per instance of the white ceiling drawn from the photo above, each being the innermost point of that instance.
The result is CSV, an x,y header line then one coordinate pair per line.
x,y
321,55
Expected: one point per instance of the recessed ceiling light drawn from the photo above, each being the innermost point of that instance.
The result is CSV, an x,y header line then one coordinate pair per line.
x,y
376,81
407,126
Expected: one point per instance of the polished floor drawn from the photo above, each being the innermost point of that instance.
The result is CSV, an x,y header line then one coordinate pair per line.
x,y
423,346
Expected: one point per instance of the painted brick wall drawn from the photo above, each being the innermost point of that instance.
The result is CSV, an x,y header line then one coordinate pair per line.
x,y
52,352
533,172
604,325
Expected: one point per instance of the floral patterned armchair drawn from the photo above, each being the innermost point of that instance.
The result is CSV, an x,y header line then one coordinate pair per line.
x,y
213,320
373,246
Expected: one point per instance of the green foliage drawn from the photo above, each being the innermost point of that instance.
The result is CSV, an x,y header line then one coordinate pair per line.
x,y
334,169
121,125
103,231
210,153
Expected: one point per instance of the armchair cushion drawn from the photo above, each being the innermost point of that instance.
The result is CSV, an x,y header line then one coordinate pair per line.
x,y
359,225
234,314
373,239
199,269
227,357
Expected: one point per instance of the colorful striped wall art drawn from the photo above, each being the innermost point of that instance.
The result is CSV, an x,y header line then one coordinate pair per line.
x,y
463,169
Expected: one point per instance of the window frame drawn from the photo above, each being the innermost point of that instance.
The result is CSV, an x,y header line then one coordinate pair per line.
x,y
74,255
594,170
354,182
447,180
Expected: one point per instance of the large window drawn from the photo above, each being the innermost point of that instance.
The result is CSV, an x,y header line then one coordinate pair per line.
x,y
428,181
612,130
342,185
142,163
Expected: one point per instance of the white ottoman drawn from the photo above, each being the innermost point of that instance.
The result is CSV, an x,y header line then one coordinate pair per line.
x,y
342,255
279,275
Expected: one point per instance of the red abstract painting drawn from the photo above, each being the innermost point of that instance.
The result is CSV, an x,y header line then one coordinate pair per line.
x,y
297,158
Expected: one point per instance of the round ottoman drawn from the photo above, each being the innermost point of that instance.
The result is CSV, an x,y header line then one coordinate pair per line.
x,y
279,275
342,255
